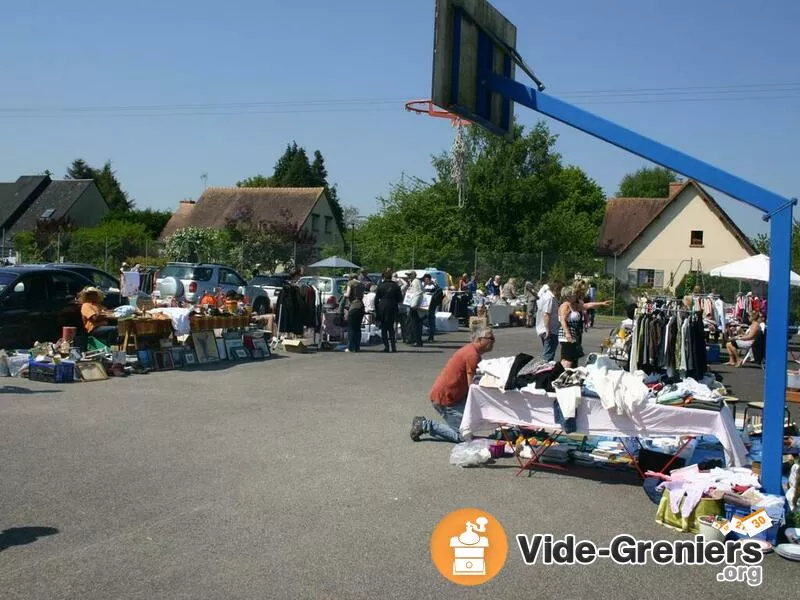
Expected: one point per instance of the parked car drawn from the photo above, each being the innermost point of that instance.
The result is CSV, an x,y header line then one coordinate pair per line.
x,y
36,302
98,278
271,284
192,280
330,288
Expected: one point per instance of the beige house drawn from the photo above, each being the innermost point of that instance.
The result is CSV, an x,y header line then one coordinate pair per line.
x,y
654,242
303,208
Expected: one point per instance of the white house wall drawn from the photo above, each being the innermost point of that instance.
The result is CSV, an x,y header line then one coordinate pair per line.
x,y
322,209
666,244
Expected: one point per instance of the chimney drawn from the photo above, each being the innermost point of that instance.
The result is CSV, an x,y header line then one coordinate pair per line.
x,y
674,186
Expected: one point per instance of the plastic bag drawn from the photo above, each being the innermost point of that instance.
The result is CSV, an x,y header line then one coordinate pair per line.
x,y
470,454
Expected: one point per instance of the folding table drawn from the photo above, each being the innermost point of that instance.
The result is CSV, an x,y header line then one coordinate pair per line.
x,y
488,408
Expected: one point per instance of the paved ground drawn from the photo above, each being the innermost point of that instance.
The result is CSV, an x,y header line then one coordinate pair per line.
x,y
293,478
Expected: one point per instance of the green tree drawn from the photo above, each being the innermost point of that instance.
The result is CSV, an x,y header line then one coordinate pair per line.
x,y
647,182
520,200
258,181
106,181
761,243
154,221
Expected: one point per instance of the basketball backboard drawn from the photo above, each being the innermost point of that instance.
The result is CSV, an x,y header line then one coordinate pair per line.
x,y
471,37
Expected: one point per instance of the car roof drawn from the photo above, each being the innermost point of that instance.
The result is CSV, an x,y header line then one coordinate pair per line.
x,y
21,270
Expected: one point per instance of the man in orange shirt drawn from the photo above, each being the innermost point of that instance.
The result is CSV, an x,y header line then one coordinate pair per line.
x,y
449,392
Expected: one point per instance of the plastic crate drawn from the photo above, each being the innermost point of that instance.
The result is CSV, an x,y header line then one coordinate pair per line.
x,y
93,344
63,372
713,353
770,535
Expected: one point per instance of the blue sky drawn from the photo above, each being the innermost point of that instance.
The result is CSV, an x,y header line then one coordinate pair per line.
x,y
175,89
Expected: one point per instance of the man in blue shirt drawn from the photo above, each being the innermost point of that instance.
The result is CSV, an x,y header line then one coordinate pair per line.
x,y
591,295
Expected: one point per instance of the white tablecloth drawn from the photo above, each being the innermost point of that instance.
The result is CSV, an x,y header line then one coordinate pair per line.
x,y
486,408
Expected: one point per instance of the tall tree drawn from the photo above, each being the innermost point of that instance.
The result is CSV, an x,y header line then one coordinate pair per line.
x,y
298,173
283,163
520,200
106,181
255,181
647,182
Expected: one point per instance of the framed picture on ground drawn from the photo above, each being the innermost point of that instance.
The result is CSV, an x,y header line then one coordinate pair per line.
x,y
163,360
240,353
189,357
145,359
177,356
260,348
205,346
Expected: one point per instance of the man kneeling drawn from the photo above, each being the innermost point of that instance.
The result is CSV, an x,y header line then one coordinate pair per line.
x,y
449,392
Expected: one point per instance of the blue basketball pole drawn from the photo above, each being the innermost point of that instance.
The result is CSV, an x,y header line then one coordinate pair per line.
x,y
777,209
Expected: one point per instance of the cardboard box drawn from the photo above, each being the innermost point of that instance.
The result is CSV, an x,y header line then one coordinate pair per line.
x,y
296,346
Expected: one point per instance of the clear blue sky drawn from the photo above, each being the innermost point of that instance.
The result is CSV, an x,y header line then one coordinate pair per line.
x,y
333,76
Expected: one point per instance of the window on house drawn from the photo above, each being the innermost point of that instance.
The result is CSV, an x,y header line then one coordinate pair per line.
x,y
650,278
314,222
328,224
48,213
696,239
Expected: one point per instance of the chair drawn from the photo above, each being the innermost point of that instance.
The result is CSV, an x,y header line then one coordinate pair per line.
x,y
758,408
758,351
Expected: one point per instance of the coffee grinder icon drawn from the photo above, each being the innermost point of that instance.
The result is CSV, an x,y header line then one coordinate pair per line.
x,y
469,549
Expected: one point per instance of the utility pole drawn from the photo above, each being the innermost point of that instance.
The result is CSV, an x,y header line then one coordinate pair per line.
x,y
541,264
614,292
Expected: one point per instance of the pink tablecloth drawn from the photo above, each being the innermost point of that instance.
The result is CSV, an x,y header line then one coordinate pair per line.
x,y
487,407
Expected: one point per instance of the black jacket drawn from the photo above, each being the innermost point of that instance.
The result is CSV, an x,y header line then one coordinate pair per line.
x,y
387,300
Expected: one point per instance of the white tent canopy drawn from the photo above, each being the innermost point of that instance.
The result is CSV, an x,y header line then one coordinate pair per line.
x,y
752,268
334,262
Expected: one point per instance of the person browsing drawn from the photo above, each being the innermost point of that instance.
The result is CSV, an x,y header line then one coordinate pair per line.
x,y
449,392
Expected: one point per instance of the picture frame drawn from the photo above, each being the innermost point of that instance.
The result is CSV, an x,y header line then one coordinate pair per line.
x,y
260,348
189,358
163,360
177,356
240,353
231,344
205,346
91,371
145,358
222,350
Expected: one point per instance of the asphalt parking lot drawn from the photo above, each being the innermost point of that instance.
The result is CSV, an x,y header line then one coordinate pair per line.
x,y
292,478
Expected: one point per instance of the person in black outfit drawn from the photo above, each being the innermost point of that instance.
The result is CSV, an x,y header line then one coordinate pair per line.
x,y
388,299
430,286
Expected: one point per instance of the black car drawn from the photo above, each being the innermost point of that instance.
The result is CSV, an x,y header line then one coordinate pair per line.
x,y
99,279
36,302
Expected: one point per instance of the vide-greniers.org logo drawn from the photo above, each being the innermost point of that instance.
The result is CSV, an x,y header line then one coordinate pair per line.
x,y
741,558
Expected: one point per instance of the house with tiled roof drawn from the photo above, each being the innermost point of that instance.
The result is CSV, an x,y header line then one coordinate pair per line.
x,y
654,242
305,208
34,198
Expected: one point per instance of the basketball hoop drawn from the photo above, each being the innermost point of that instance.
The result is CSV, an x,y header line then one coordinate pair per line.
x,y
460,152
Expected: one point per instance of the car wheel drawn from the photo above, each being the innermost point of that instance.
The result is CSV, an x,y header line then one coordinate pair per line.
x,y
261,306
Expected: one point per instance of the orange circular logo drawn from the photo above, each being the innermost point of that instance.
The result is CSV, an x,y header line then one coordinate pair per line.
x,y
469,546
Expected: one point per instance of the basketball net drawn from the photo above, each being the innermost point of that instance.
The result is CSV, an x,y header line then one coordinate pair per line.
x,y
458,172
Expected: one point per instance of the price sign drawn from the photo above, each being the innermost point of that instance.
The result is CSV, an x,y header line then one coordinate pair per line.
x,y
724,527
756,522
737,525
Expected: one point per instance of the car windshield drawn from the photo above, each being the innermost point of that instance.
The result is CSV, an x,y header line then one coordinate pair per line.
x,y
5,279
268,280
186,272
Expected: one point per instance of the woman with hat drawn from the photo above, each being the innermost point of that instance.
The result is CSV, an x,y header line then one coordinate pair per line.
x,y
95,318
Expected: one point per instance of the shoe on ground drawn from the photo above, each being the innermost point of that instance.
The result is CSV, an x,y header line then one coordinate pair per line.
x,y
417,428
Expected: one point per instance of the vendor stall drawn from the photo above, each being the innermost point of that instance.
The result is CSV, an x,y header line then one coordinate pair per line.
x,y
488,408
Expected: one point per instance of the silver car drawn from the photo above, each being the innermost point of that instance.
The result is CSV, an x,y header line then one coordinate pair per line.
x,y
330,288
192,280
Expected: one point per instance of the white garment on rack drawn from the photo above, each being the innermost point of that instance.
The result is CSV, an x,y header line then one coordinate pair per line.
x,y
719,307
